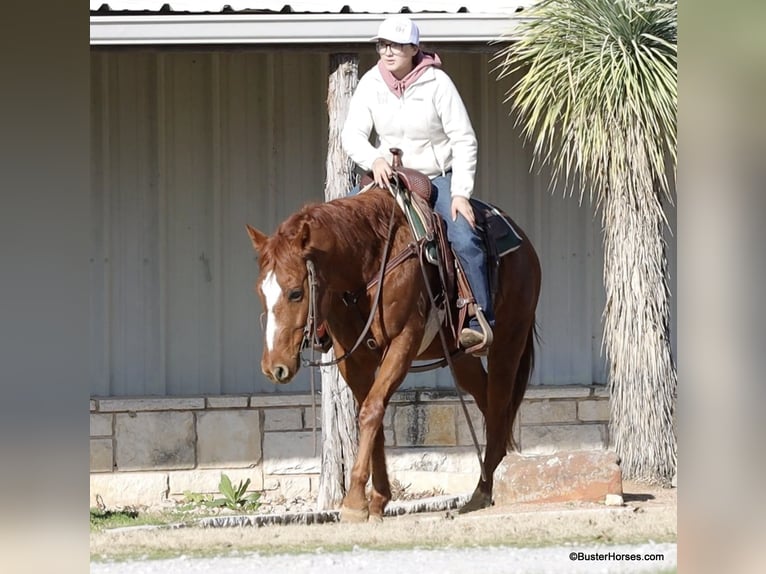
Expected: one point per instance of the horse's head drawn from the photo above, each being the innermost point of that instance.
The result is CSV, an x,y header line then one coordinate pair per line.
x,y
283,286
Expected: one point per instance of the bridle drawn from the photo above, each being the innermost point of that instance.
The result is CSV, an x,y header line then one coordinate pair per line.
x,y
310,329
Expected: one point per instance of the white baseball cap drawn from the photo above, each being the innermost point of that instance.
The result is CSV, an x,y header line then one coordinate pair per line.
x,y
399,29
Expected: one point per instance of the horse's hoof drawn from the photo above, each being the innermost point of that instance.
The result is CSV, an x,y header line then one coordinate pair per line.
x,y
353,514
375,518
478,501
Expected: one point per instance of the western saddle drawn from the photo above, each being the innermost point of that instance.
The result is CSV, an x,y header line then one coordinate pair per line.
x,y
455,292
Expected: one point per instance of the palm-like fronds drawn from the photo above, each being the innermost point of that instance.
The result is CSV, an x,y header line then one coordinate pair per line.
x,y
596,77
595,91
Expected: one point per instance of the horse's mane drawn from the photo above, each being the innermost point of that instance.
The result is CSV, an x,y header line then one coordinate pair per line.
x,y
357,222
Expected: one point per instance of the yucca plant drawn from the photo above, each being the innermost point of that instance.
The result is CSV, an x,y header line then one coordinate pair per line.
x,y
594,89
236,498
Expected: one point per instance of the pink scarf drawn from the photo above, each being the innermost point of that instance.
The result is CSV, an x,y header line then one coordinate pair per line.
x,y
423,60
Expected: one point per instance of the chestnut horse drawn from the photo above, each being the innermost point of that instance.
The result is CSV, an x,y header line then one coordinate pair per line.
x,y
326,251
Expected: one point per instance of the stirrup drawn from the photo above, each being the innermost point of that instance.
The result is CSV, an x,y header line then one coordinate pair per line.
x,y
482,347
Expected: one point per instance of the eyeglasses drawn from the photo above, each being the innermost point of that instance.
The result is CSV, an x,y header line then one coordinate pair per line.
x,y
396,49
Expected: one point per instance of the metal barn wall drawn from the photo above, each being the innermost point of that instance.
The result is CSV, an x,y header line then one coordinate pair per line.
x,y
188,146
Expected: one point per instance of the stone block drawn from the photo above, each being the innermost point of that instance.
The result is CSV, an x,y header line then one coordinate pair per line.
x,y
388,416
92,405
291,486
308,412
284,419
129,488
463,432
228,402
405,397
154,440
101,455
547,439
271,483
445,459
593,410
425,425
416,481
281,400
206,481
565,476
100,425
291,452
557,392
151,404
601,391
517,431
315,481
548,411
441,395
228,438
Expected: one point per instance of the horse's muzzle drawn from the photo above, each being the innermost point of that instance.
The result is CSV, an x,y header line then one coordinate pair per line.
x,y
280,374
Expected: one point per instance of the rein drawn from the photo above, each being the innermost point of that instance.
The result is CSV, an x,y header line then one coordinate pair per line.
x,y
448,359
309,332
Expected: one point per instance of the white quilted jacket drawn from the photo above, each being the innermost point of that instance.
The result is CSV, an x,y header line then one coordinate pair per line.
x,y
429,123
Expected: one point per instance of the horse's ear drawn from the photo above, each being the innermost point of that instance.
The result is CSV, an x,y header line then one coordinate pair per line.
x,y
257,238
304,235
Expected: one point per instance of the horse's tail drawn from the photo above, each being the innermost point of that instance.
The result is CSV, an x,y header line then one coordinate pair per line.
x,y
526,364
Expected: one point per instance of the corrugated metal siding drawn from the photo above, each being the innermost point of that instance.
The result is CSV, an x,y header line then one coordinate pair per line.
x,y
562,231
189,146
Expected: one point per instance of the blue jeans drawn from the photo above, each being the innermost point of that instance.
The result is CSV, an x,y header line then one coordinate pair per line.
x,y
467,244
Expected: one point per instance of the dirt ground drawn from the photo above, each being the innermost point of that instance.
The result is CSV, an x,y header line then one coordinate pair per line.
x,y
648,514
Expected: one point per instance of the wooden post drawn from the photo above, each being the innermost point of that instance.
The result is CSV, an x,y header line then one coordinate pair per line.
x,y
340,435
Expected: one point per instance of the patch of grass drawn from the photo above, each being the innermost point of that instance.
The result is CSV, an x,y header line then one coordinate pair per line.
x,y
193,507
102,518
269,546
187,514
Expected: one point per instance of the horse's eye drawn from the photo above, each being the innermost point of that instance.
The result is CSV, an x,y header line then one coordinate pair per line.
x,y
295,295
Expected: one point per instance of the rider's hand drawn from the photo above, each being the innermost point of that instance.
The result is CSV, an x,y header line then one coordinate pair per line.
x,y
382,172
462,206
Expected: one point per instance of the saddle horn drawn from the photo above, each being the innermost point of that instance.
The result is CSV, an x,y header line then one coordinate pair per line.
x,y
397,153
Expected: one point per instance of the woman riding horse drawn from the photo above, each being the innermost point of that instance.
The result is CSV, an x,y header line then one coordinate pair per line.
x,y
413,105
326,263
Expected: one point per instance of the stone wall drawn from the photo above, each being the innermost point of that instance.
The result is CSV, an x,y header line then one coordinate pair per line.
x,y
149,450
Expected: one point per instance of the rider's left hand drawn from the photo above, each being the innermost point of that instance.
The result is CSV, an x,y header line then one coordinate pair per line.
x,y
462,206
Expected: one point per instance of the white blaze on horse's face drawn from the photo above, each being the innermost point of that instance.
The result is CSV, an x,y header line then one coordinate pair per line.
x,y
271,292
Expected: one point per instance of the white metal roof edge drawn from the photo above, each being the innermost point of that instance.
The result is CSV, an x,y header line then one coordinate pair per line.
x,y
315,6
289,28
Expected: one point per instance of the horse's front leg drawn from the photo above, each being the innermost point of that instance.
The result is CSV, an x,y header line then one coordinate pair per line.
x,y
393,369
381,487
